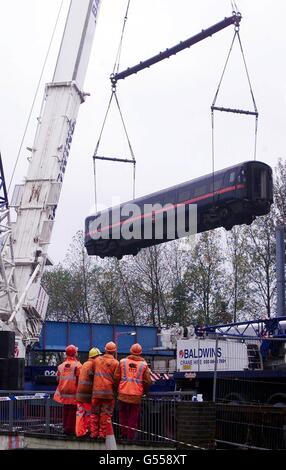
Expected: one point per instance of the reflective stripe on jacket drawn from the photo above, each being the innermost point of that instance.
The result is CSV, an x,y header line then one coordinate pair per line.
x,y
82,422
68,373
131,376
85,382
103,380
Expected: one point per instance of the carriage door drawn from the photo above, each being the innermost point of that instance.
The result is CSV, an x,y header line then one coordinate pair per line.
x,y
259,183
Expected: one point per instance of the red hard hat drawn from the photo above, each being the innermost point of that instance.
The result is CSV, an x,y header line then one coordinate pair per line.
x,y
71,350
110,347
136,349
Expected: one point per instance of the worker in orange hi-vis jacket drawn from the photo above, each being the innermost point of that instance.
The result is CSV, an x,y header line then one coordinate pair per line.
x,y
132,377
84,393
67,377
103,391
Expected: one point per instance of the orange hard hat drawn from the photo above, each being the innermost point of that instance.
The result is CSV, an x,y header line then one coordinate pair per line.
x,y
71,350
136,349
110,347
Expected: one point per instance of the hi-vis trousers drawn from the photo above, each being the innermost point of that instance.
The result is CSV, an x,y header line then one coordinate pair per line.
x,y
102,409
82,424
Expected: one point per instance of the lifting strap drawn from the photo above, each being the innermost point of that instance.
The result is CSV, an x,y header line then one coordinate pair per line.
x,y
114,95
118,55
233,110
113,159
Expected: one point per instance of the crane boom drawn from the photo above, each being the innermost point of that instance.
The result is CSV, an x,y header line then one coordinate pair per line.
x,y
36,200
205,33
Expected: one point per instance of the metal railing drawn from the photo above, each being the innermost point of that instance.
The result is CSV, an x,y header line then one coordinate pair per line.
x,y
157,422
38,413
30,413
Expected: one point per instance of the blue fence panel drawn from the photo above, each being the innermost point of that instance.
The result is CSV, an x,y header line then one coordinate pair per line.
x,y
101,334
53,336
147,337
80,335
56,336
124,338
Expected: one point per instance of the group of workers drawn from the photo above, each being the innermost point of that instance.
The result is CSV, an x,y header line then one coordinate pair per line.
x,y
88,390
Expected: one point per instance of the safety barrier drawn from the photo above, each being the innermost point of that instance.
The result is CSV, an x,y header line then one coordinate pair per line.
x,y
28,412
157,423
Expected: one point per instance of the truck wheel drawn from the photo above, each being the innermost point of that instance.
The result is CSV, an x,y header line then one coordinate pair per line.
x,y
277,400
234,399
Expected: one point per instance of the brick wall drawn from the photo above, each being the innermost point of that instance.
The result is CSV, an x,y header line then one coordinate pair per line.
x,y
196,424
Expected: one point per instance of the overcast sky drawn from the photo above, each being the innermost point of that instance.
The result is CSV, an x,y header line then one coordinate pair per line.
x,y
166,108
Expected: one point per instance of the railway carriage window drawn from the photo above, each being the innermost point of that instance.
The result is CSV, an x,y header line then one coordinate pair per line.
x,y
263,184
174,198
184,196
171,197
218,184
260,183
232,177
166,200
200,190
241,177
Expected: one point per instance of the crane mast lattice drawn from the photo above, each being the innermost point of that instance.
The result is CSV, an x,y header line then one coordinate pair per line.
x,y
23,304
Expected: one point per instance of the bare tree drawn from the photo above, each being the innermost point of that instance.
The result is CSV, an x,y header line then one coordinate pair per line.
x,y
207,280
280,191
261,259
239,271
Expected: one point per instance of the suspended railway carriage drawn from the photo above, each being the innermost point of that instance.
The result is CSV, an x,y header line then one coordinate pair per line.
x,y
233,196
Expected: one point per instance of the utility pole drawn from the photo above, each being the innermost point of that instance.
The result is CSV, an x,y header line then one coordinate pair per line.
x,y
280,270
